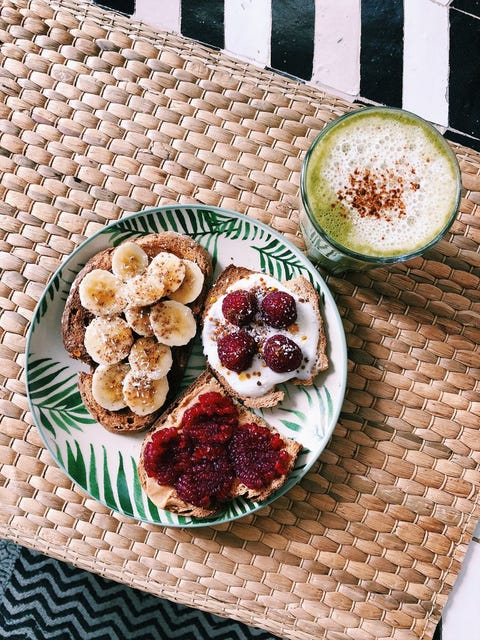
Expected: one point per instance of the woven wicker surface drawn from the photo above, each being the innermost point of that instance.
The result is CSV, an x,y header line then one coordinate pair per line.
x,y
100,116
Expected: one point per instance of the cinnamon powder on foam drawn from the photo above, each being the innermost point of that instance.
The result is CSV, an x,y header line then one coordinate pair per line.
x,y
390,185
376,194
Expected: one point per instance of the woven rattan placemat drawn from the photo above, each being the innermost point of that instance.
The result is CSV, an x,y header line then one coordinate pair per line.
x,y
100,116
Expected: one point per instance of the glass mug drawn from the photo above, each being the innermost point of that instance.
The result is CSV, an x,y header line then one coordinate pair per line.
x,y
378,186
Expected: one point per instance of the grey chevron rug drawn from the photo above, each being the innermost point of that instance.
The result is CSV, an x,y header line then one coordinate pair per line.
x,y
44,599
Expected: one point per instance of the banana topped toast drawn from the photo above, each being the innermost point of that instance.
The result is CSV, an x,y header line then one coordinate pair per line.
x,y
208,449
131,314
259,332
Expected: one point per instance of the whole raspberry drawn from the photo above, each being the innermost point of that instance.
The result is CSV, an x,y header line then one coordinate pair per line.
x,y
282,354
279,309
236,350
239,307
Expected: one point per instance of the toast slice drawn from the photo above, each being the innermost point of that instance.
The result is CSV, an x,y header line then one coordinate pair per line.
x,y
302,290
76,318
166,496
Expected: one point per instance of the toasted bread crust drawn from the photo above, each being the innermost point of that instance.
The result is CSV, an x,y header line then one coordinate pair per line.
x,y
114,421
76,318
300,287
167,497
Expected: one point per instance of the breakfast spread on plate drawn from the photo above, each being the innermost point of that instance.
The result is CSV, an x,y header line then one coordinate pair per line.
x,y
132,313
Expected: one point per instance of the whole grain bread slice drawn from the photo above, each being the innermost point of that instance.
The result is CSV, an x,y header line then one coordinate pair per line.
x,y
166,497
76,318
298,286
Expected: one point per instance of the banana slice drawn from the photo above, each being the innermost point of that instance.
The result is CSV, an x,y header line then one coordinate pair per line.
x,y
138,318
169,268
128,260
149,357
144,395
173,323
107,386
144,290
102,293
164,274
192,284
108,340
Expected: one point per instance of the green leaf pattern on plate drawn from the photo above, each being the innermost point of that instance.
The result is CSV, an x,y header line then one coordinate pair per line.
x,y
317,411
279,262
104,464
54,391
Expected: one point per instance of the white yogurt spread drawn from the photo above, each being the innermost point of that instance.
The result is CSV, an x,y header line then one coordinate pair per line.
x,y
258,379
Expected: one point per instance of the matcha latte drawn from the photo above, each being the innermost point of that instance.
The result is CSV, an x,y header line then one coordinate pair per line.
x,y
379,185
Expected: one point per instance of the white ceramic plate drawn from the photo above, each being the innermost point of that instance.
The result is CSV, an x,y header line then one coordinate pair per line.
x,y
103,463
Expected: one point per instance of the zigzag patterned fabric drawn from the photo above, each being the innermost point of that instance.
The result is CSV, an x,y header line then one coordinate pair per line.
x,y
44,599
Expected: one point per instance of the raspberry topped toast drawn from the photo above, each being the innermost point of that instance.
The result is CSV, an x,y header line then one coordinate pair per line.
x,y
259,332
131,314
208,449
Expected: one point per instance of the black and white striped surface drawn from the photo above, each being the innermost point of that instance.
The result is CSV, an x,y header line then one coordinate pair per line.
x,y
422,55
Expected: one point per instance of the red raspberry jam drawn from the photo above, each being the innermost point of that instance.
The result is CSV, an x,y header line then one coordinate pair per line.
x,y
209,432
207,482
165,456
209,450
258,456
211,407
